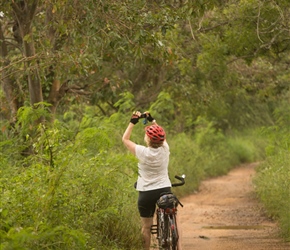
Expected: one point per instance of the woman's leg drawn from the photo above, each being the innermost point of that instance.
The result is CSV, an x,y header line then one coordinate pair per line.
x,y
146,231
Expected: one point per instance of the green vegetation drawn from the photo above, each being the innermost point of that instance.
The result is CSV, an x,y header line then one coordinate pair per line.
x,y
77,191
210,153
214,73
273,179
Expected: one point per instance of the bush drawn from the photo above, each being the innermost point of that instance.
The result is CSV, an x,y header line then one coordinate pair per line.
x,y
247,146
210,153
74,192
272,180
273,188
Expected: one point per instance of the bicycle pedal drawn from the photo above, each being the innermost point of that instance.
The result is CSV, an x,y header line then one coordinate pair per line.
x,y
153,229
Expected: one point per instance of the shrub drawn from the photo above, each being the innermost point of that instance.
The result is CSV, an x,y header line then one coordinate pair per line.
x,y
84,199
273,188
272,180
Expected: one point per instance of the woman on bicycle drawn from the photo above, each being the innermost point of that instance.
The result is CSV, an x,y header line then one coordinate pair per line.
x,y
153,176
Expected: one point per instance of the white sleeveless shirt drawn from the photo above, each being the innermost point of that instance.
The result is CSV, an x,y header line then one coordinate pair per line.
x,y
152,167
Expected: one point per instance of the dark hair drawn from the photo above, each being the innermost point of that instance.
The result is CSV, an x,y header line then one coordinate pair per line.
x,y
155,144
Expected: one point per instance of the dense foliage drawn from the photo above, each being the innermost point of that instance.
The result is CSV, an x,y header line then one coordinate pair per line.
x,y
214,73
65,196
272,181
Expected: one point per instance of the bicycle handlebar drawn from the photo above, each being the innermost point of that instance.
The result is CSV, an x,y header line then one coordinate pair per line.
x,y
181,179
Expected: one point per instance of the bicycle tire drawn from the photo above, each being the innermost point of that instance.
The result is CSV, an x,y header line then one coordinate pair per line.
x,y
160,229
168,233
173,232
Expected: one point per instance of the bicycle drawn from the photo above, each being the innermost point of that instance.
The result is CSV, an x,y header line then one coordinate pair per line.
x,y
166,228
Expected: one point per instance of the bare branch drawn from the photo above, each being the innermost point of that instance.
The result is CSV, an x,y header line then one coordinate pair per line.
x,y
269,44
33,9
191,31
15,6
213,27
258,22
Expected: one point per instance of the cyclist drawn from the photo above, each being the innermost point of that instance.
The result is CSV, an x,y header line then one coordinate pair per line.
x,y
153,176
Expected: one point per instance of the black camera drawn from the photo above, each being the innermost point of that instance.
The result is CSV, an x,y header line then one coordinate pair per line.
x,y
143,115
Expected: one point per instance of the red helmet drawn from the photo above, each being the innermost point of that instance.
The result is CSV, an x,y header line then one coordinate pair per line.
x,y
155,133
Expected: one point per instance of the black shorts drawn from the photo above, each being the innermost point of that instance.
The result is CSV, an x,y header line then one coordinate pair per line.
x,y
147,201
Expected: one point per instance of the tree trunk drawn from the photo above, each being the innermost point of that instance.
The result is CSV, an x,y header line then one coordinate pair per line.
x,y
35,90
8,85
54,96
24,14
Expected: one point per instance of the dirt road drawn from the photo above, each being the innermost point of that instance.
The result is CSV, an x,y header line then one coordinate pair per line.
x,y
224,215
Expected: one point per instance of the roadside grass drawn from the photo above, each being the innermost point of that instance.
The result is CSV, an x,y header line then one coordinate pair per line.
x,y
273,188
211,153
82,199
273,175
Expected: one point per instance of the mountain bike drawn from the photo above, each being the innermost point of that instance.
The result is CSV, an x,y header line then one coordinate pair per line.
x,y
166,228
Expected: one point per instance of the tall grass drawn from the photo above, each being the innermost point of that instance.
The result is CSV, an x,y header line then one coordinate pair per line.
x,y
273,189
273,178
209,153
75,192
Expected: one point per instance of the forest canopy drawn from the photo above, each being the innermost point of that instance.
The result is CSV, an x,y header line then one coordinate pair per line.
x,y
228,61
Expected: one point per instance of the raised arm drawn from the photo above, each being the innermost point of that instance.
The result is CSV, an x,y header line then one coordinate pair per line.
x,y
126,138
127,134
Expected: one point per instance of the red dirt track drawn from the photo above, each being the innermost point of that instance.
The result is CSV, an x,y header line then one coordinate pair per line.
x,y
225,214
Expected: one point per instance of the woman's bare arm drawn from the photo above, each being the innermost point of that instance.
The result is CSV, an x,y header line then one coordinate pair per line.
x,y
126,138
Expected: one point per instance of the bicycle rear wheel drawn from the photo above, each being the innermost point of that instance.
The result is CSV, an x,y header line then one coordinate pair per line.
x,y
161,229
172,232
167,233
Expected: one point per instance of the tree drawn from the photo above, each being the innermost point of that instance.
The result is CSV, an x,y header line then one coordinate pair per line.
x,y
82,48
90,52
24,13
7,82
